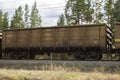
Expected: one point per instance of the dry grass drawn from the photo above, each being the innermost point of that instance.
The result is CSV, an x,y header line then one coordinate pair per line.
x,y
57,72
6,74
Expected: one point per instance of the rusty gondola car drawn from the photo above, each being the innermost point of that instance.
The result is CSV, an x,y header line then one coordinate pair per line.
x,y
83,41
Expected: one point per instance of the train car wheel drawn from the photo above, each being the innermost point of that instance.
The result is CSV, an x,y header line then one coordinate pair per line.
x,y
96,56
19,57
12,55
79,56
31,56
25,55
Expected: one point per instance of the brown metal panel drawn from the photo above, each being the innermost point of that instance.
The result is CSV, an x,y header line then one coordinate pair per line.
x,y
35,40
103,36
56,37
92,42
47,37
9,39
92,32
61,37
117,31
92,36
3,40
117,36
76,36
22,38
68,36
95,36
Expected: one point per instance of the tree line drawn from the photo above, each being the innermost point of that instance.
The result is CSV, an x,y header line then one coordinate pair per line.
x,y
79,12
76,12
22,18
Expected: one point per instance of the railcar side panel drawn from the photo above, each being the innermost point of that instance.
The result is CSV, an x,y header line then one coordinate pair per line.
x,y
95,36
9,39
55,37
117,35
47,38
35,38
61,37
22,38
92,36
103,36
76,36
3,40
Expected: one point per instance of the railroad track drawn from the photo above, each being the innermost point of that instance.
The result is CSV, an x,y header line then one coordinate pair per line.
x,y
104,66
61,62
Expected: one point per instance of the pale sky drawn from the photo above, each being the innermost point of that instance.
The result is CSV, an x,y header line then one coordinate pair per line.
x,y
48,9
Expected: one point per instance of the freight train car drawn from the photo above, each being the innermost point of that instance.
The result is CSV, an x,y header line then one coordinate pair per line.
x,y
84,41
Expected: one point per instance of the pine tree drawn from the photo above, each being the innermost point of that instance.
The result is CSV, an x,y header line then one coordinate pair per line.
x,y
88,12
26,16
17,19
98,14
78,11
116,11
5,21
61,20
108,10
35,17
1,19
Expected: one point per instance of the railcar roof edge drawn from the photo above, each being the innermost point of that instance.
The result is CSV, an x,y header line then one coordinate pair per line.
x,y
88,25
